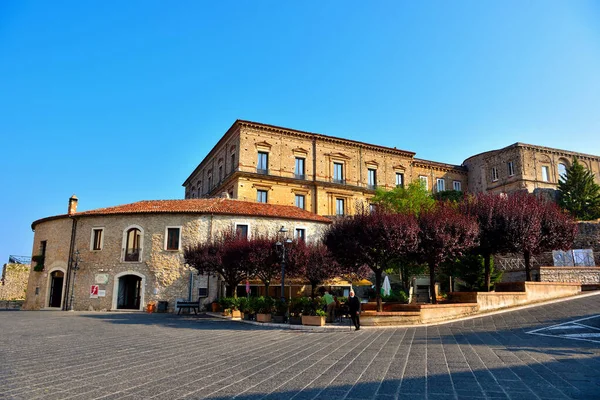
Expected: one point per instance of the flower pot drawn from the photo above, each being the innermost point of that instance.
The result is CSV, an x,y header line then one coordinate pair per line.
x,y
236,314
295,320
313,320
215,306
263,317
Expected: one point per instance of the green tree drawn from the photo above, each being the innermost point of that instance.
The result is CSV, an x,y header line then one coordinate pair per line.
x,y
410,200
579,194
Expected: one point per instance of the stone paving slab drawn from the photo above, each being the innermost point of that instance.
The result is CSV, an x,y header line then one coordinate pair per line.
x,y
62,355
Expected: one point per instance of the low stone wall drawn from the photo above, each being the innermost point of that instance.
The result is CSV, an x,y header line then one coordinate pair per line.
x,y
583,275
417,314
11,304
494,301
539,291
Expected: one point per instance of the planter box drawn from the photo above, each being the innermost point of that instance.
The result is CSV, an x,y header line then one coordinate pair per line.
x,y
295,320
313,320
215,307
236,314
279,319
248,316
263,317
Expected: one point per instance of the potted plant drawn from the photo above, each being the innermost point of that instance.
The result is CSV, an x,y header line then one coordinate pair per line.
x,y
39,262
264,308
225,303
281,308
235,308
215,307
295,317
313,313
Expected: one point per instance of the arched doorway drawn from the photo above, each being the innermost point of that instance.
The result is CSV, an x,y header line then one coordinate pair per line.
x,y
57,279
129,292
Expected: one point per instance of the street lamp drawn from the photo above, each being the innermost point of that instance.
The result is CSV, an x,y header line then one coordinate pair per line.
x,y
75,268
282,246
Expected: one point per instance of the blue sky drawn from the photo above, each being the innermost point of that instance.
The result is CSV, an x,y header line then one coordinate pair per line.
x,y
119,101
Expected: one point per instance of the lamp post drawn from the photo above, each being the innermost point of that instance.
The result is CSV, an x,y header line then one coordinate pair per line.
x,y
282,245
75,268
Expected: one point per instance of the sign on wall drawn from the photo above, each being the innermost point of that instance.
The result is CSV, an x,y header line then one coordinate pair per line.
x,y
94,292
101,279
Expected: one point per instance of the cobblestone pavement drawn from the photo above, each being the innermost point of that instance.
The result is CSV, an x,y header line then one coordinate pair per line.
x,y
512,355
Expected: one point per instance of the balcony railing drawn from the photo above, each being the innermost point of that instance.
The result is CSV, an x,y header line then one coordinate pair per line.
x,y
300,176
372,187
262,171
340,181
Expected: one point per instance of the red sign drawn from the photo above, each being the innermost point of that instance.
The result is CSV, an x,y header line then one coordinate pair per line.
x,y
247,286
93,291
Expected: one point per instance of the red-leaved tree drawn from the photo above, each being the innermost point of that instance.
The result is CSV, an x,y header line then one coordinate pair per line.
x,y
374,239
263,261
489,210
314,263
444,234
533,226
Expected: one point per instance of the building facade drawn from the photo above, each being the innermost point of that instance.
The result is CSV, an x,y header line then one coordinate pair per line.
x,y
318,173
523,167
328,175
127,256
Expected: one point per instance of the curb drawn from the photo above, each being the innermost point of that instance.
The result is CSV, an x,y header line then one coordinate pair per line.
x,y
334,328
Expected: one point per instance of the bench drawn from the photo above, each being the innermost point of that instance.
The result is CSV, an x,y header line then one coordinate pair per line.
x,y
189,305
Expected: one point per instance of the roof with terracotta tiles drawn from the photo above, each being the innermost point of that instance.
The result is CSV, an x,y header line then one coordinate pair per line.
x,y
202,206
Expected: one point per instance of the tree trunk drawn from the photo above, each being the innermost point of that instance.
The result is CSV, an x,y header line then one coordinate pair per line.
x,y
487,263
432,284
378,273
527,257
313,287
267,289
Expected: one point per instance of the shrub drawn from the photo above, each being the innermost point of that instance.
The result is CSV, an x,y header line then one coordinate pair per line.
x,y
281,307
264,305
396,296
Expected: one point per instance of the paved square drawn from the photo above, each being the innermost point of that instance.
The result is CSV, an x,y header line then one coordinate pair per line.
x,y
62,355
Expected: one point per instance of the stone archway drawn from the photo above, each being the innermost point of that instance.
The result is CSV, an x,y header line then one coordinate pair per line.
x,y
128,291
56,288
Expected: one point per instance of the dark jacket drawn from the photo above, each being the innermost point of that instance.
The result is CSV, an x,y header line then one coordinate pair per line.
x,y
353,304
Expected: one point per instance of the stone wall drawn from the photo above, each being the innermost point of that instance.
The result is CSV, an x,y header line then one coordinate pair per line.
x,y
15,278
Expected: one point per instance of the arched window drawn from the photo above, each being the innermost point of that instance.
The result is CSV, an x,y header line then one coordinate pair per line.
x,y
133,244
562,172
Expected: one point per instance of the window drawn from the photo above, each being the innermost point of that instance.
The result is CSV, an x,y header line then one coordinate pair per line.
x,y
300,201
372,208
424,182
261,196
338,172
199,189
209,182
43,245
173,238
494,174
233,162
97,238
300,234
511,168
457,186
299,169
339,206
262,166
441,185
545,173
220,173
241,231
133,244
562,172
372,178
399,179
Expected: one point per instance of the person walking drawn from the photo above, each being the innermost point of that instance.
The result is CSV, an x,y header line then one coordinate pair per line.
x,y
330,302
354,307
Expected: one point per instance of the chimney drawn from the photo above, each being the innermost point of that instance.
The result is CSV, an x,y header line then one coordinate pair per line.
x,y
72,205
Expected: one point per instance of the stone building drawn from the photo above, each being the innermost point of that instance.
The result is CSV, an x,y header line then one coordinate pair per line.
x,y
322,174
128,255
523,167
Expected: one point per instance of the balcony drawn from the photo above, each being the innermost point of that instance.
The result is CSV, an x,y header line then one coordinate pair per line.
x,y
262,171
372,187
300,176
338,181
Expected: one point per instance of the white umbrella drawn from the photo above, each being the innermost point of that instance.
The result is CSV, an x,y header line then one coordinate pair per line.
x,y
386,288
